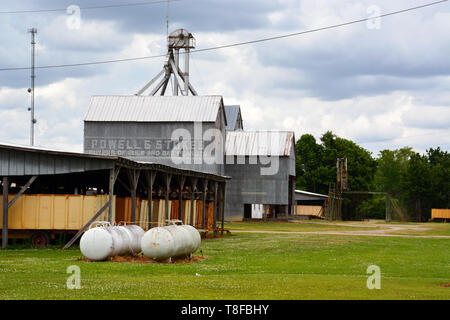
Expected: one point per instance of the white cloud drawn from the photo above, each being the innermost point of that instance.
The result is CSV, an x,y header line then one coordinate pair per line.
x,y
96,36
382,88
427,117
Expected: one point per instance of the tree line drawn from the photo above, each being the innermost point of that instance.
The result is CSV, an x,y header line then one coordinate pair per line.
x,y
414,182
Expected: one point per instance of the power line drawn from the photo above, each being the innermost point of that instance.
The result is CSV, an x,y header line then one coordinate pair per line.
x,y
323,28
237,43
85,63
91,8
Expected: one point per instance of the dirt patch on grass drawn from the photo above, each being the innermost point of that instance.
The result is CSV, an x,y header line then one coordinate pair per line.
x,y
144,260
187,260
445,285
134,259
218,236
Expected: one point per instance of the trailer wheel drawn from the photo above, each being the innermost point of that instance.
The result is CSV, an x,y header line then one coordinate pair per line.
x,y
40,239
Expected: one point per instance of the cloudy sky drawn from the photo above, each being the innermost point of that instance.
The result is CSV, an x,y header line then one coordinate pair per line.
x,y
383,84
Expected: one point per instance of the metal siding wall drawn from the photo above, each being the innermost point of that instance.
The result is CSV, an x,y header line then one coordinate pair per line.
x,y
46,164
76,165
16,163
31,163
19,163
90,165
249,186
4,162
62,164
133,136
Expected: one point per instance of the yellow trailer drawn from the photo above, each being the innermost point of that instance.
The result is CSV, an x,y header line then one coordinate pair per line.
x,y
42,216
440,214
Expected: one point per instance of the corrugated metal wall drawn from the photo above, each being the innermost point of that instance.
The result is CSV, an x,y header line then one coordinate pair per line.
x,y
248,186
146,142
18,163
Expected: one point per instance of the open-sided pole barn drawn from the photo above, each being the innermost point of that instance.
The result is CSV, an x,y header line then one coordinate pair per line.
x,y
27,171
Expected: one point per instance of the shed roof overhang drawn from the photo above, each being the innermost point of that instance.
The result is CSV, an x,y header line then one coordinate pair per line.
x,y
301,195
17,160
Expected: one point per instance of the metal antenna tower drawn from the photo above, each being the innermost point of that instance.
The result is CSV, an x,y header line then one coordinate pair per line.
x,y
167,20
177,40
33,32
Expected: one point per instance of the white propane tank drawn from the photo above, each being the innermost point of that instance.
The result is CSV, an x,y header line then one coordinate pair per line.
x,y
99,243
158,244
136,233
196,238
182,239
171,241
96,244
121,241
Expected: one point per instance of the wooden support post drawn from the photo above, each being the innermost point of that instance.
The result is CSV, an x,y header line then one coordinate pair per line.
x,y
5,212
222,206
180,211
193,187
215,214
133,205
113,174
205,188
134,179
150,181
167,177
111,193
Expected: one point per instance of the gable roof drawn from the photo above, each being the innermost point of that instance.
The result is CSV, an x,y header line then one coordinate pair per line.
x,y
259,143
232,113
153,108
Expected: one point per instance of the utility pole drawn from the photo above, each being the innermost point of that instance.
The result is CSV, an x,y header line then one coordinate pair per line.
x,y
167,20
33,32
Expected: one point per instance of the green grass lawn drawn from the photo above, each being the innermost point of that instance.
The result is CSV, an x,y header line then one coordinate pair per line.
x,y
243,266
301,226
432,228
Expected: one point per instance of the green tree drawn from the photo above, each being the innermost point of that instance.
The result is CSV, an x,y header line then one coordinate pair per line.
x,y
417,182
309,158
440,177
316,163
416,185
361,165
391,166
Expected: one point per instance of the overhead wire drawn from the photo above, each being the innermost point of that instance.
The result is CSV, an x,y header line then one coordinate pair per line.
x,y
237,43
145,3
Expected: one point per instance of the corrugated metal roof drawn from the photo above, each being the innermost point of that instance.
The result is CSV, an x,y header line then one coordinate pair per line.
x,y
153,108
69,162
232,113
259,143
41,149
